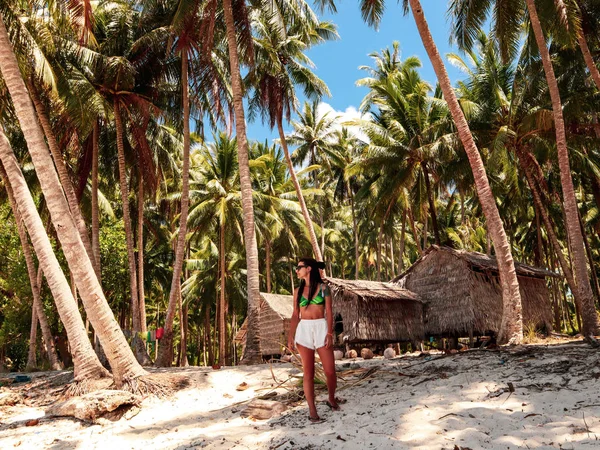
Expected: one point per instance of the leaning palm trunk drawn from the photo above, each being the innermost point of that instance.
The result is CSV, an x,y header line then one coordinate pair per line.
x,y
165,353
61,168
564,265
123,363
589,61
222,299
86,364
588,311
252,351
511,328
35,279
303,208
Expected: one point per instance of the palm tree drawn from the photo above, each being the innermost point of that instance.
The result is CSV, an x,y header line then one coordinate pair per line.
x,y
511,329
123,363
35,280
87,365
216,201
314,135
574,234
252,352
280,65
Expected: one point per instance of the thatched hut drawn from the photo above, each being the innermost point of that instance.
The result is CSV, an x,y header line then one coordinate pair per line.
x,y
375,312
462,293
275,312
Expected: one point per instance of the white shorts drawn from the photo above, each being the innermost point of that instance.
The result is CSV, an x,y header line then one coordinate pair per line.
x,y
311,333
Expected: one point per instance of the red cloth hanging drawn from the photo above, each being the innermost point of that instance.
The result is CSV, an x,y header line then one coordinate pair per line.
x,y
160,333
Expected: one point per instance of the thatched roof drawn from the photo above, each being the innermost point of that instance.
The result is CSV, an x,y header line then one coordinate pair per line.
x,y
479,261
373,290
281,304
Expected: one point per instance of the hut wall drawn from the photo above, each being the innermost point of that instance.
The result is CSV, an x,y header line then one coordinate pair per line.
x,y
486,293
537,310
377,320
273,332
443,283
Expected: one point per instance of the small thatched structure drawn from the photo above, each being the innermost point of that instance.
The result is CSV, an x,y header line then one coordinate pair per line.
x,y
372,311
462,293
275,312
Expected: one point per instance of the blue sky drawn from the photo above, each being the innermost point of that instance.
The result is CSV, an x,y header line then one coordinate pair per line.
x,y
337,62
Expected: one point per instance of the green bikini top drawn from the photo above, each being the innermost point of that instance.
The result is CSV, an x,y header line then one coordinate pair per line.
x,y
318,299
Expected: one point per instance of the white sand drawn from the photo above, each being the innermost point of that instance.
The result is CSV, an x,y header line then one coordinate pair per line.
x,y
459,400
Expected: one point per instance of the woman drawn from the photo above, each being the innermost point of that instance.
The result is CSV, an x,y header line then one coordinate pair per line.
x,y
311,329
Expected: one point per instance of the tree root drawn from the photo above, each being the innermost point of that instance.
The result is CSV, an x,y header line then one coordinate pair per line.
x,y
159,384
85,386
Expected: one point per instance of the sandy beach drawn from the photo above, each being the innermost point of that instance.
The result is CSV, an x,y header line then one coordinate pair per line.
x,y
536,396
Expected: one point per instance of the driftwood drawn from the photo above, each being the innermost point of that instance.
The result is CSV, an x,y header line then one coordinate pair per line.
x,y
95,405
263,409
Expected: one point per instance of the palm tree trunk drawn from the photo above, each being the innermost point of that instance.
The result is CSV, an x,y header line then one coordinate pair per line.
x,y
590,257
61,168
95,207
309,225
402,243
32,354
589,61
102,318
211,356
140,246
252,351
355,233
35,280
379,251
87,365
165,354
222,327
511,328
436,231
183,360
588,311
268,264
413,229
124,186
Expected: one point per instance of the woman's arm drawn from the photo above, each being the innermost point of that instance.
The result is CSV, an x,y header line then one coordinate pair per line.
x,y
329,315
293,322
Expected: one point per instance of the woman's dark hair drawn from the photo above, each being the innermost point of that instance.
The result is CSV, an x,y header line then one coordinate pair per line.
x,y
315,277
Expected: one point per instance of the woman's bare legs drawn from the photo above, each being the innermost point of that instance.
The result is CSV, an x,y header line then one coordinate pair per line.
x,y
308,367
328,361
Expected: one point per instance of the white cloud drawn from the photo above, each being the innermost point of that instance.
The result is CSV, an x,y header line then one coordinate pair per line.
x,y
350,114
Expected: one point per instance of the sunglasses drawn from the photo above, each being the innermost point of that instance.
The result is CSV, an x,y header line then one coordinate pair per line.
x,y
299,267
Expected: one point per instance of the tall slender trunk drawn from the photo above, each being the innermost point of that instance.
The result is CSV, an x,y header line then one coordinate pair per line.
x,y
590,258
61,168
95,206
589,61
102,318
252,351
211,356
268,264
87,365
165,354
32,353
393,260
140,247
434,222
554,242
222,299
413,229
588,311
378,248
183,360
402,243
124,186
296,183
355,233
511,328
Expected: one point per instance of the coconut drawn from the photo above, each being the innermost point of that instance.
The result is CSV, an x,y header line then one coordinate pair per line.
x,y
366,353
389,353
338,354
351,354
